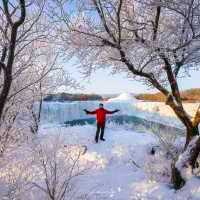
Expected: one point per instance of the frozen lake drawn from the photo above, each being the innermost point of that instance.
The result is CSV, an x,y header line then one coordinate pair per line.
x,y
71,113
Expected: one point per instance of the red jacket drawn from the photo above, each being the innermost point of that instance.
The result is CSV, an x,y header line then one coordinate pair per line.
x,y
101,115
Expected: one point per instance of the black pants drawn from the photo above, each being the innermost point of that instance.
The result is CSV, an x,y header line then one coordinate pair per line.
x,y
100,128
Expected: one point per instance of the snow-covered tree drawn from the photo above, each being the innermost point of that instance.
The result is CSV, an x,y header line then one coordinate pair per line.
x,y
22,34
45,169
29,67
154,41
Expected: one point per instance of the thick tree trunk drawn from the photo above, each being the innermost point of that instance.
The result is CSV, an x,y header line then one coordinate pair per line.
x,y
5,92
192,150
8,67
187,160
191,132
176,177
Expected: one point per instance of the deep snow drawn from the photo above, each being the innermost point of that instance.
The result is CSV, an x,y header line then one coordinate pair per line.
x,y
123,167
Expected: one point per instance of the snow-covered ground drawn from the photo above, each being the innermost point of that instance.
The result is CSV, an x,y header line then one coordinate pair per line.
x,y
123,167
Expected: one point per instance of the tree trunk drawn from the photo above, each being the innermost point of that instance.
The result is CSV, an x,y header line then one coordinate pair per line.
x,y
36,117
191,127
192,151
191,132
11,51
5,91
176,177
187,160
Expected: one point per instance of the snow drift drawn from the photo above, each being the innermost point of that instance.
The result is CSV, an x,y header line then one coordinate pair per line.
x,y
124,97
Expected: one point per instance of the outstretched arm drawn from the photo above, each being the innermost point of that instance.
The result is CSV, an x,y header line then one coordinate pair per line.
x,y
90,112
112,112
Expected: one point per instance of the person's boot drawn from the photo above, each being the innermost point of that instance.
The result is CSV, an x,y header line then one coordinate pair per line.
x,y
96,140
102,139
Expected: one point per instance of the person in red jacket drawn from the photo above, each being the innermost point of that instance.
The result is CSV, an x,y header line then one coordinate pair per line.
x,y
101,120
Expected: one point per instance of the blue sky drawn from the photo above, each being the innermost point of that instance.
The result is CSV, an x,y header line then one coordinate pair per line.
x,y
101,82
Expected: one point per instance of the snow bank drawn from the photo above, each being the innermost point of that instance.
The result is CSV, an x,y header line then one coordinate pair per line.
x,y
124,97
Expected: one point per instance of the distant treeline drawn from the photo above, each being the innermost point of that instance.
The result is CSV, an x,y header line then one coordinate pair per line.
x,y
72,97
191,95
